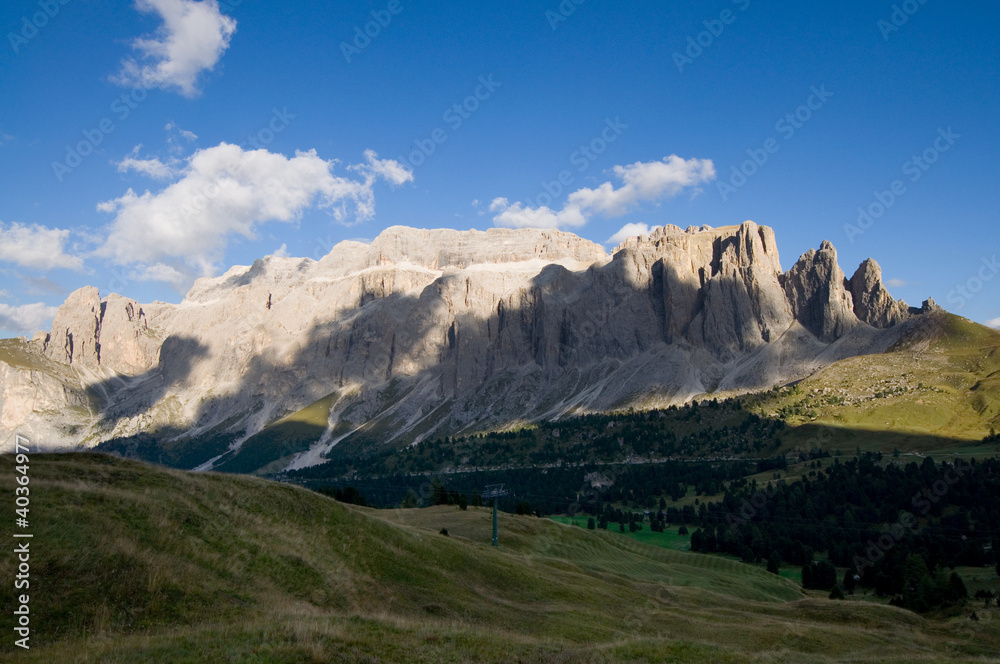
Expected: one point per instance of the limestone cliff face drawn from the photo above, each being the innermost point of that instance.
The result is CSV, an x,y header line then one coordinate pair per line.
x,y
86,325
817,293
429,332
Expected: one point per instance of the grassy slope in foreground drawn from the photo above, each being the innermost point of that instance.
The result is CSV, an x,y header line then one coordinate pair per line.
x,y
135,563
940,383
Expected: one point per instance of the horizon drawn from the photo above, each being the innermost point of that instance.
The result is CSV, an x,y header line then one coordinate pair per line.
x,y
609,251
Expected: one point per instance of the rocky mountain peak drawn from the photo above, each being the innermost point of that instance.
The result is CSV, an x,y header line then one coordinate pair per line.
x,y
817,293
872,302
110,334
76,328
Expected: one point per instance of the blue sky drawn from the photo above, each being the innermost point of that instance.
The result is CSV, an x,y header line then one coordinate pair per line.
x,y
144,144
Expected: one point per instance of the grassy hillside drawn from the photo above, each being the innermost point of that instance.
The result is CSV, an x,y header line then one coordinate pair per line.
x,y
137,563
938,388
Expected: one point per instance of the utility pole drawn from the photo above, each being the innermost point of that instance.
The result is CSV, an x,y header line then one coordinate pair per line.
x,y
494,491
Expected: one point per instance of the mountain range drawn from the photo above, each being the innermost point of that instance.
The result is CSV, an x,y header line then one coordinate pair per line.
x,y
434,333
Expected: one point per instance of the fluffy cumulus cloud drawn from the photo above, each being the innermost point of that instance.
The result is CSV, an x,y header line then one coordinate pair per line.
x,y
627,231
26,318
192,39
518,215
36,247
641,182
225,192
995,323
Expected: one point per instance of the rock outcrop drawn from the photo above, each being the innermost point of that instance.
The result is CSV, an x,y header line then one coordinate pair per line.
x,y
112,333
817,293
872,302
432,332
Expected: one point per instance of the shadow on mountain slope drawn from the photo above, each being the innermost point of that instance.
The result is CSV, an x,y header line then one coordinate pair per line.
x,y
178,355
400,367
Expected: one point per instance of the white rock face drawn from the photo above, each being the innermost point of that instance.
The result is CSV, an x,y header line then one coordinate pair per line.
x,y
431,332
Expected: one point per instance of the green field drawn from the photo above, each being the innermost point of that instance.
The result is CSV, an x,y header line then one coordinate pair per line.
x,y
936,391
668,539
135,563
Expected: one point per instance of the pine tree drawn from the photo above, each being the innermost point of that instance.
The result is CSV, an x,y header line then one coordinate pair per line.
x,y
957,586
439,494
849,581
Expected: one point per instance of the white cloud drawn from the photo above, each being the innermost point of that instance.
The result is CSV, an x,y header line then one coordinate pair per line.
x,y
995,323
520,216
174,135
388,169
152,167
224,191
896,283
192,39
281,252
184,133
36,247
158,272
627,231
27,318
642,182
